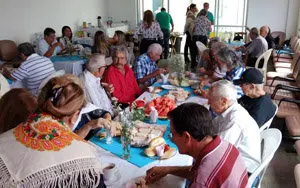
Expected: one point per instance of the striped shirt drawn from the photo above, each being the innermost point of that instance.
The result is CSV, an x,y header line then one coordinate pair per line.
x,y
219,164
33,71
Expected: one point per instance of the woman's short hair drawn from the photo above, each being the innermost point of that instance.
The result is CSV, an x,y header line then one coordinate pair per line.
x,y
194,119
61,96
202,12
229,56
225,89
15,107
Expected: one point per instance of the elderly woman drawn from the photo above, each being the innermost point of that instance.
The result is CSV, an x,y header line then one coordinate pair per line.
x,y
15,107
194,134
91,79
54,156
228,64
121,76
150,30
201,27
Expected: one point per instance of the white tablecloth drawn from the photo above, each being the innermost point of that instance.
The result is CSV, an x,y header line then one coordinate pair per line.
x,y
129,171
70,65
83,41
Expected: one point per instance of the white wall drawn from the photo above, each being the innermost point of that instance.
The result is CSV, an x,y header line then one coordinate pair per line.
x,y
20,19
122,10
279,15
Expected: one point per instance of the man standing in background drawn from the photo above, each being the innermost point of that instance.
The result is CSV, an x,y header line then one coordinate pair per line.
x,y
209,16
164,19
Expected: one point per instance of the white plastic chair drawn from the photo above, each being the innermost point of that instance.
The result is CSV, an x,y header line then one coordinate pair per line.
x,y
266,57
268,123
297,175
271,139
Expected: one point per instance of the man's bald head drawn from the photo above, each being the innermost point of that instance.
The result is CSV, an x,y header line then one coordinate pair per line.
x,y
264,30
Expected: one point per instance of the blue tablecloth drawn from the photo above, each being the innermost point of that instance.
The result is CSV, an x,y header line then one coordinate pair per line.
x,y
9,81
137,156
67,58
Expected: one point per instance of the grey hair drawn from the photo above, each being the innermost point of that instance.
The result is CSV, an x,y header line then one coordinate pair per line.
x,y
202,12
155,48
95,61
254,31
226,89
259,86
215,46
229,56
119,49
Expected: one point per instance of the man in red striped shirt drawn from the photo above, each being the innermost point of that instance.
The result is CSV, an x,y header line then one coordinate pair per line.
x,y
217,162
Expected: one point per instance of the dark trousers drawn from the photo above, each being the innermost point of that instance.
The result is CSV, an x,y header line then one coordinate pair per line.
x,y
194,49
166,47
187,46
145,43
252,60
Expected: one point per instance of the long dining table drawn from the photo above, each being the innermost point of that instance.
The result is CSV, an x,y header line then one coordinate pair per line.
x,y
138,163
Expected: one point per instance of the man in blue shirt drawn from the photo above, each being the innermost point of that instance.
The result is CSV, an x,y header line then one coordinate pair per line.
x,y
164,19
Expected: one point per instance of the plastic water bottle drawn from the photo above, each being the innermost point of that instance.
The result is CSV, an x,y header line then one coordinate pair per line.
x,y
153,115
108,136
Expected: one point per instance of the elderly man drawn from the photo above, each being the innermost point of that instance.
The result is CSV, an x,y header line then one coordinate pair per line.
x,y
235,124
91,79
121,76
33,70
164,19
264,31
255,101
145,68
256,47
194,135
48,46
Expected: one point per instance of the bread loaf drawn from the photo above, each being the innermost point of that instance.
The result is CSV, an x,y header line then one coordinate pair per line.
x,y
156,142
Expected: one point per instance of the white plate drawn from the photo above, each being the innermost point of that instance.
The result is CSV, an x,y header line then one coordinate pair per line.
x,y
168,87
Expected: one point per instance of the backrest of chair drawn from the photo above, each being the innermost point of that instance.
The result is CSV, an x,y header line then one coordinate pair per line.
x,y
266,55
296,46
294,39
201,47
279,34
271,139
295,60
296,68
268,123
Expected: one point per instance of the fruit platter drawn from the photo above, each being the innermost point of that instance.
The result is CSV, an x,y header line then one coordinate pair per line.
x,y
162,104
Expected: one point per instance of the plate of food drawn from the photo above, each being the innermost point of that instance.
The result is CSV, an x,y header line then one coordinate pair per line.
x,y
159,149
162,104
153,89
142,133
179,94
168,87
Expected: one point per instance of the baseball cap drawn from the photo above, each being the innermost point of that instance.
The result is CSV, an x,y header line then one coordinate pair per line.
x,y
252,75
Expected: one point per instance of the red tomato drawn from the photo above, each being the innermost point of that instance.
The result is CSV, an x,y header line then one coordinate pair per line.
x,y
167,147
